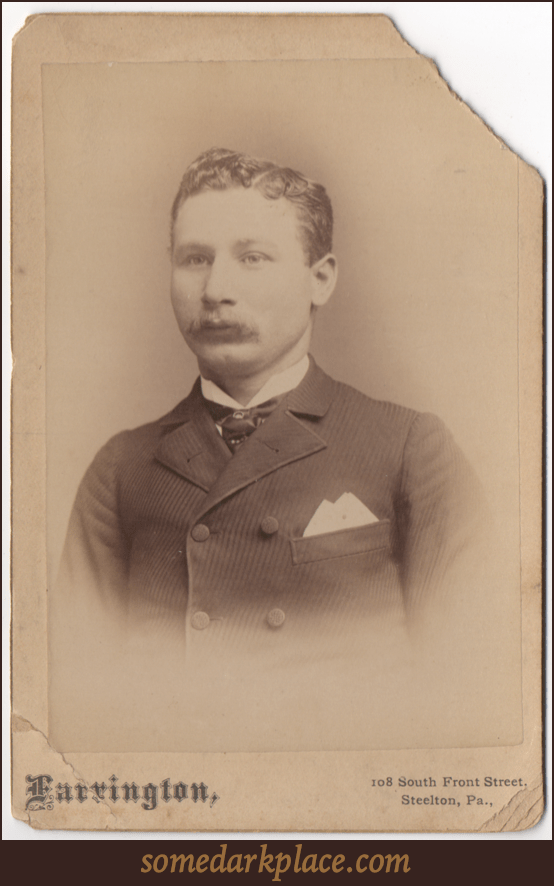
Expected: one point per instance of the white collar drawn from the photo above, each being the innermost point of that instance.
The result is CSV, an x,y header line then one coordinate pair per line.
x,y
280,383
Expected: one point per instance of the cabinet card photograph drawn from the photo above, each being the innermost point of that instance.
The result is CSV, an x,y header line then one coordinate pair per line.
x,y
286,496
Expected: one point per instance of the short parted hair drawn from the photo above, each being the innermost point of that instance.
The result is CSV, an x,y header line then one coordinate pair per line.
x,y
219,169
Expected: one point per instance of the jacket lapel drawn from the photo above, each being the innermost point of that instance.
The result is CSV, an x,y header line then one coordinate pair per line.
x,y
288,435
191,445
193,448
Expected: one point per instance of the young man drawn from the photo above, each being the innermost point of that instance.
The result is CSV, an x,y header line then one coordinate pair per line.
x,y
276,521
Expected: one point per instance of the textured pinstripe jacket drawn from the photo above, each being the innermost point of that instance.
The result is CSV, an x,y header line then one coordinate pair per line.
x,y
193,612
180,535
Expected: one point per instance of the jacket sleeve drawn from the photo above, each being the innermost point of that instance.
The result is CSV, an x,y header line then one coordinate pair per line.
x,y
443,519
84,608
96,551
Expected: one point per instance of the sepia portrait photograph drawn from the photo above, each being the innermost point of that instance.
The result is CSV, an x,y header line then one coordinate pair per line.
x,y
282,398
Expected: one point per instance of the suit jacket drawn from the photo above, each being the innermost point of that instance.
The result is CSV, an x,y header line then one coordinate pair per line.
x,y
195,560
168,524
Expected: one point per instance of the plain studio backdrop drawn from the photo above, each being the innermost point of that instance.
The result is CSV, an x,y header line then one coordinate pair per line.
x,y
425,201
426,309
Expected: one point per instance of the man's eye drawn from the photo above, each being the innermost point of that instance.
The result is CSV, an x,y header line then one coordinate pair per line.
x,y
253,258
196,260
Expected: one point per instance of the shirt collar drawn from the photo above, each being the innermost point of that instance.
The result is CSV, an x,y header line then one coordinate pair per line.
x,y
280,383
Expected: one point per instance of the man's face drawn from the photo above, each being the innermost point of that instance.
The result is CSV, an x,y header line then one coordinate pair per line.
x,y
241,287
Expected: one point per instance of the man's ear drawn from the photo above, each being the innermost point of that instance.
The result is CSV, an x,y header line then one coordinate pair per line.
x,y
324,279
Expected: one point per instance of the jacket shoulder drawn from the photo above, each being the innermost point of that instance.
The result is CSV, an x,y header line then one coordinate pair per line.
x,y
366,408
380,425
141,439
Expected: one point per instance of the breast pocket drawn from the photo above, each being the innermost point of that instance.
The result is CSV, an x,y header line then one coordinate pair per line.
x,y
343,543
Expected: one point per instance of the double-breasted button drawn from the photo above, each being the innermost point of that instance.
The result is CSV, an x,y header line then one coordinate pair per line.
x,y
200,532
275,618
200,621
269,525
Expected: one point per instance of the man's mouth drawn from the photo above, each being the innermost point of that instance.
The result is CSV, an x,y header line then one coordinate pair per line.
x,y
217,324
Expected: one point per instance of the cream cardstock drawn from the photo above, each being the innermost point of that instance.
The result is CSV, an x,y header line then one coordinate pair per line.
x,y
438,308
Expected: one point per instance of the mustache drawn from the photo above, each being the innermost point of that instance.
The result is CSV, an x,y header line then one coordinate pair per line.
x,y
209,324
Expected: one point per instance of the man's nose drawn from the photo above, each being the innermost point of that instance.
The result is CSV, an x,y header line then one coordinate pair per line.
x,y
217,284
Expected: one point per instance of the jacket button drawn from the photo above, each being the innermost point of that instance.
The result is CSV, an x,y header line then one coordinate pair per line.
x,y
275,618
200,621
200,532
269,525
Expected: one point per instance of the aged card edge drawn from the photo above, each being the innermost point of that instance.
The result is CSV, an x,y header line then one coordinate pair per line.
x,y
27,378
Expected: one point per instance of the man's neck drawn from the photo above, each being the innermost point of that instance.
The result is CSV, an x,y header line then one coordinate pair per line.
x,y
272,384
243,390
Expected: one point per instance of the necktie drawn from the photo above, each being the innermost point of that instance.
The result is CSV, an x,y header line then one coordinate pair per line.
x,y
237,424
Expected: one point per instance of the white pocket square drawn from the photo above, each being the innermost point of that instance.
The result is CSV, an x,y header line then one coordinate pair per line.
x,y
346,513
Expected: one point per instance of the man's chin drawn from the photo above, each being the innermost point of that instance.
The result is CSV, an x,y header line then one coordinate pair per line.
x,y
221,355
